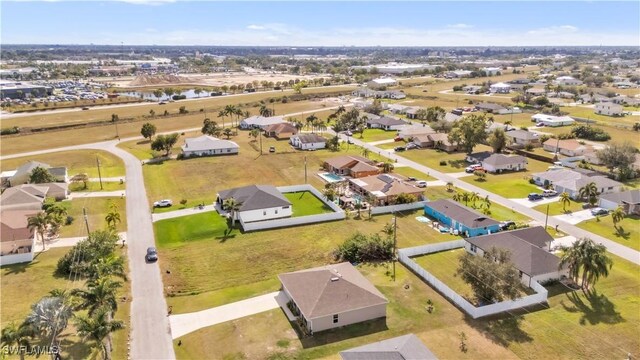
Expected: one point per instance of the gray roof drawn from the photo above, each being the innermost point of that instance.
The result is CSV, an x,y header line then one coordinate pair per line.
x,y
23,194
206,142
462,214
522,134
386,121
489,106
405,347
500,159
310,138
451,117
254,197
523,245
631,197
480,156
28,167
330,289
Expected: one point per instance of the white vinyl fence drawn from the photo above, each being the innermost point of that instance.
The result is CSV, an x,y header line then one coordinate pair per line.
x,y
376,210
16,258
404,256
338,213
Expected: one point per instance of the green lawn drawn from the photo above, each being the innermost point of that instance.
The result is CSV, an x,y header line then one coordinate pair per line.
x,y
305,203
443,265
408,171
24,284
555,208
370,135
431,158
76,161
626,233
96,208
95,186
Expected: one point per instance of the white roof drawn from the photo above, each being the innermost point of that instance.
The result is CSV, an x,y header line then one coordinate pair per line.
x,y
206,142
8,173
551,118
383,81
565,78
501,85
258,120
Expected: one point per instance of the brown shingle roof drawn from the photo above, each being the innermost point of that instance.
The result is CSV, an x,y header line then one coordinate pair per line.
x,y
340,162
14,225
330,289
281,127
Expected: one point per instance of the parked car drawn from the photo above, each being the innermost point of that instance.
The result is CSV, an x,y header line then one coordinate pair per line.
x,y
398,138
152,254
411,178
599,211
272,149
540,124
163,203
471,168
549,193
348,133
505,225
85,108
161,103
421,183
534,197
410,146
399,148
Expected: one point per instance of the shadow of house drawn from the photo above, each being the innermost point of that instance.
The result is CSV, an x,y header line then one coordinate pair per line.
x,y
343,333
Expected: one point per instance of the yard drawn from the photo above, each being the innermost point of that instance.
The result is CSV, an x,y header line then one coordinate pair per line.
x,y
626,233
97,208
24,284
408,171
76,161
305,203
370,135
95,186
455,162
555,208
443,265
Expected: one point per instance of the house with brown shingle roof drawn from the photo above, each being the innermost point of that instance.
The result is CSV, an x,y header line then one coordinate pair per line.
x,y
351,165
280,131
332,296
23,197
16,239
384,188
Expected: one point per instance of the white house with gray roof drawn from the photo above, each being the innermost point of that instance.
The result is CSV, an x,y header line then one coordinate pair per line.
x,y
497,163
405,347
386,123
260,122
522,138
571,181
308,141
206,145
256,203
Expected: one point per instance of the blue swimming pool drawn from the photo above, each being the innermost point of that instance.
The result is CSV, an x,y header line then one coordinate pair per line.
x,y
330,177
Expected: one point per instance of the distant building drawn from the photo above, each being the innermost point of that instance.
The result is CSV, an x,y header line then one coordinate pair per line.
x,y
206,145
381,83
260,122
553,121
308,141
500,88
567,81
609,108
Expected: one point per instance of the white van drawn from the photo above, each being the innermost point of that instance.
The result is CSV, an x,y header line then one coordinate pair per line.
x,y
421,183
549,193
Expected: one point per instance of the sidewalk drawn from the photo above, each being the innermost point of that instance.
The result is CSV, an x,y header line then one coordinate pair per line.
x,y
183,324
70,241
109,179
183,212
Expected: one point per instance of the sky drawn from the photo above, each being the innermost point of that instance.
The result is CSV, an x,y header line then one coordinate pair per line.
x,y
330,23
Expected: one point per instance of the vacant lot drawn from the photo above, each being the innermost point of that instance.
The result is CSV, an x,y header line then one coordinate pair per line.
x,y
24,284
76,161
431,158
555,208
97,208
305,203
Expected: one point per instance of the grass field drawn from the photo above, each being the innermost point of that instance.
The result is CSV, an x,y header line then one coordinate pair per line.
x,y
76,161
24,284
511,184
626,233
95,186
305,203
408,171
618,134
431,158
443,265
555,208
370,135
97,208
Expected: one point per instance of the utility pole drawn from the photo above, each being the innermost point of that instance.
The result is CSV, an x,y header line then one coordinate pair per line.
x,y
546,218
86,219
261,143
305,169
395,244
117,134
99,174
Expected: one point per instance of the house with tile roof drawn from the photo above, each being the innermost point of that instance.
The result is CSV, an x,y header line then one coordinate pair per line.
x,y
351,165
405,347
385,188
16,239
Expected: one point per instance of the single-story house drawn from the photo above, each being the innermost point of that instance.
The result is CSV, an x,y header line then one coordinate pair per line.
x,y
497,163
58,191
571,181
381,83
260,122
472,89
280,131
536,92
412,112
490,71
308,141
24,197
385,123
478,157
364,92
410,131
15,236
393,94
457,74
23,172
520,81
461,218
405,347
628,200
489,107
206,145
500,88
441,141
384,188
492,126
332,296
257,203
398,108
567,147
567,81
527,248
523,138
553,121
609,108
586,98
351,165
451,117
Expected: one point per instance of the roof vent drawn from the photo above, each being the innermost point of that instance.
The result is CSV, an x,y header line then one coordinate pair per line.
x,y
334,279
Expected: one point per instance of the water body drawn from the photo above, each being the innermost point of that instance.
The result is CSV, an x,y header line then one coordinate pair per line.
x,y
190,94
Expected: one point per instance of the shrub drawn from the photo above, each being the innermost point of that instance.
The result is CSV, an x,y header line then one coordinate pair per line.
x,y
10,131
443,163
183,202
528,147
363,248
69,220
590,133
179,97
531,181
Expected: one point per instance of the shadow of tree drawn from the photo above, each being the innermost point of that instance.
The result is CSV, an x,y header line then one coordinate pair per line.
x,y
142,142
226,236
621,233
457,164
508,330
19,268
598,308
342,333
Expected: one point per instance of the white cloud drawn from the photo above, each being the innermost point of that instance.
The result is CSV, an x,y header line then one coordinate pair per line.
x,y
147,2
255,27
460,26
562,29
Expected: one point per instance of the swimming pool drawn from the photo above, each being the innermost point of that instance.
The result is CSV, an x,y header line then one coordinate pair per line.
x,y
330,177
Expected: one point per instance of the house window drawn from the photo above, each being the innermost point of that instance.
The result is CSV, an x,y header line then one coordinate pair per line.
x,y
285,207
276,211
335,318
474,248
264,213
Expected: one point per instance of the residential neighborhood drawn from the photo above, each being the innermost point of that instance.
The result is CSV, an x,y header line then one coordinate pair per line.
x,y
305,182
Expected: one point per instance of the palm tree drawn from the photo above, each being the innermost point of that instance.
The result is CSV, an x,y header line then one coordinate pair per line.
x,y
365,152
49,317
254,133
486,205
617,216
17,337
100,294
565,200
38,224
387,167
230,110
311,121
227,132
449,186
99,328
265,111
358,206
222,114
112,218
232,206
589,192
473,197
111,265
587,257
466,197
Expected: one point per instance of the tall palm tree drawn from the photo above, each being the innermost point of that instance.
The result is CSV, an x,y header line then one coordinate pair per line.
x,y
617,216
110,265
473,197
49,317
365,152
99,328
17,337
233,206
311,121
466,197
38,224
587,257
265,111
387,167
590,193
222,114
112,218
565,200
230,110
100,294
449,186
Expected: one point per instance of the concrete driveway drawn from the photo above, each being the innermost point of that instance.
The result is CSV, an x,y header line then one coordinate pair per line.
x,y
576,217
530,204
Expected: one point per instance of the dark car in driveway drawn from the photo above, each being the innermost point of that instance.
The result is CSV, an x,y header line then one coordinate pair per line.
x,y
534,197
152,254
